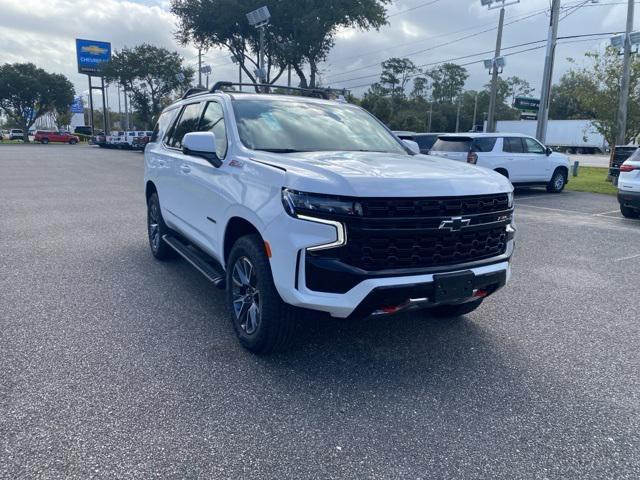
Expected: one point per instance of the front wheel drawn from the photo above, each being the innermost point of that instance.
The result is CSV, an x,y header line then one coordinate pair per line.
x,y
628,212
557,182
44,141
72,142
448,311
261,320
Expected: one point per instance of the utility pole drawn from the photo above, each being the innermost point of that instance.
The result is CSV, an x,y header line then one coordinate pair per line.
x,y
458,117
119,109
200,68
545,93
289,76
259,19
621,118
126,110
430,116
491,126
262,71
475,113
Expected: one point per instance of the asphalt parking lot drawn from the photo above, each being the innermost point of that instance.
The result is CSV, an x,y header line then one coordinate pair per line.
x,y
113,365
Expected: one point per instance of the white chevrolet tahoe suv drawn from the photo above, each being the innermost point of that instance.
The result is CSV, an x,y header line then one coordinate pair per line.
x,y
521,158
295,204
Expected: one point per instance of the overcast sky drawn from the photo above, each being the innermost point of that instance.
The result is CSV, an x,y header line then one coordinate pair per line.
x,y
43,32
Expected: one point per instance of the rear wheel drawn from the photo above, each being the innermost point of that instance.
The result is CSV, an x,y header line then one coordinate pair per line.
x,y
44,141
261,320
557,182
629,212
72,141
156,229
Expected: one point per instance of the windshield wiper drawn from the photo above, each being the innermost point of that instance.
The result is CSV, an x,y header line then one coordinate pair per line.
x,y
280,150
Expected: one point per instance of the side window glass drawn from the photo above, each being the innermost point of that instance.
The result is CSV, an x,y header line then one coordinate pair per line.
x,y
513,145
484,144
213,121
188,122
161,125
533,146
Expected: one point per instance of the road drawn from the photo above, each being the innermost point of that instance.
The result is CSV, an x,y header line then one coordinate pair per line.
x,y
113,365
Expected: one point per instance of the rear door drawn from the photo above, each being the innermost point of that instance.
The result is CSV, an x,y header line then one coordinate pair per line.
x,y
517,160
177,184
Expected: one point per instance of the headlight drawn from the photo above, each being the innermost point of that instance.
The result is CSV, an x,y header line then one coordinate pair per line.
x,y
300,202
510,199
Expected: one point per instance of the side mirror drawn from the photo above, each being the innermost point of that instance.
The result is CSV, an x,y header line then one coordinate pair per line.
x,y
411,145
548,151
201,144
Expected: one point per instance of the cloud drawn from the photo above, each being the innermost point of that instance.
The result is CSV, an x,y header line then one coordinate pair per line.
x,y
43,32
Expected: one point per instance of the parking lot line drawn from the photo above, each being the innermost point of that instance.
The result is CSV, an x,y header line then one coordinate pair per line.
x,y
562,210
627,258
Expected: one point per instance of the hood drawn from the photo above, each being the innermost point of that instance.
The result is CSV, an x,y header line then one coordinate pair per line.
x,y
376,174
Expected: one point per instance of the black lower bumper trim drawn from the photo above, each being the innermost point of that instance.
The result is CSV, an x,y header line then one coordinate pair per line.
x,y
629,199
382,297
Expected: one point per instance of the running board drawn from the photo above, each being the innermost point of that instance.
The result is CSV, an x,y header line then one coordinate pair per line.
x,y
199,260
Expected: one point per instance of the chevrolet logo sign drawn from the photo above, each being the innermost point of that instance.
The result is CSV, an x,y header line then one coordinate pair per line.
x,y
455,224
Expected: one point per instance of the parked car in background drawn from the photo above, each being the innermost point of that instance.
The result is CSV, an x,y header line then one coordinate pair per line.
x,y
83,130
16,134
629,186
139,142
424,140
47,136
522,159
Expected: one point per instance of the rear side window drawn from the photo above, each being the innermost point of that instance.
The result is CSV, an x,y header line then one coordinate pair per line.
x,y
513,145
213,121
187,122
161,125
484,144
452,144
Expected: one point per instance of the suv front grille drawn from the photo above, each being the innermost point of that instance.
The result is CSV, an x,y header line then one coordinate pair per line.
x,y
399,233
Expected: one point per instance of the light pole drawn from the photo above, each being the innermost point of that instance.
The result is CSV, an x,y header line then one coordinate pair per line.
x,y
206,69
259,19
545,92
495,63
625,41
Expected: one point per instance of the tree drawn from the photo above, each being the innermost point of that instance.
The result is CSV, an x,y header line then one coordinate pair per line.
x,y
420,86
151,74
595,88
566,101
300,31
448,81
519,87
395,74
28,92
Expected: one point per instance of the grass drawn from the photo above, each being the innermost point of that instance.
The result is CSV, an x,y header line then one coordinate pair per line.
x,y
591,179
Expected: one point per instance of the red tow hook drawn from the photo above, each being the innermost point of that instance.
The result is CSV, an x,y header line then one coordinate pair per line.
x,y
480,293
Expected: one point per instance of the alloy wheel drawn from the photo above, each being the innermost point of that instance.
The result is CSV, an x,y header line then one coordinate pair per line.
x,y
245,295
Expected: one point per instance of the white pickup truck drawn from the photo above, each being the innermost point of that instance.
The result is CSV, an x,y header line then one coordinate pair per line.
x,y
295,203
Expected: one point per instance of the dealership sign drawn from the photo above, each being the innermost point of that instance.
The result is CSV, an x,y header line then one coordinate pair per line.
x,y
527,104
77,106
92,56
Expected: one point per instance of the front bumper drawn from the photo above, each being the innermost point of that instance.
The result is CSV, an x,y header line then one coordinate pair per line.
x,y
627,198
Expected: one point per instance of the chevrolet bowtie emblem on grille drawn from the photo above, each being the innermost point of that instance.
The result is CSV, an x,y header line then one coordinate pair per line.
x,y
455,224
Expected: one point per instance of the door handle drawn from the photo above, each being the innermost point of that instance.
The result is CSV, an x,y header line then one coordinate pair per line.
x,y
185,168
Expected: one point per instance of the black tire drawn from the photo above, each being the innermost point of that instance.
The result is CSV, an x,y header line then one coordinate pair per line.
x,y
156,229
44,141
628,212
72,142
448,311
502,172
557,182
262,321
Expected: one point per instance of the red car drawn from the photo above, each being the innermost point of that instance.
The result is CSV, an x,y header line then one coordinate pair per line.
x,y
46,136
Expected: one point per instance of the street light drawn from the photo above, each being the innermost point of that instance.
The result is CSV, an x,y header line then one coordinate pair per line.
x,y
497,3
259,19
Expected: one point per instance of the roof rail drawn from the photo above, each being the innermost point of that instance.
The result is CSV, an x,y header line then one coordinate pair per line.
x,y
193,91
325,93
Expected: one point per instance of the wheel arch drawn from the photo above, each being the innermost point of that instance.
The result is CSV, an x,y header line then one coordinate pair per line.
x,y
149,189
236,228
502,171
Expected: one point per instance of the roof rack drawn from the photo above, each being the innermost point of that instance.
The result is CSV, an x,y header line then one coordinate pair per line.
x,y
326,93
193,91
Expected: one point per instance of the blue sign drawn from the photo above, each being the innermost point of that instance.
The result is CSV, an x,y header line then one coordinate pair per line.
x,y
77,106
92,56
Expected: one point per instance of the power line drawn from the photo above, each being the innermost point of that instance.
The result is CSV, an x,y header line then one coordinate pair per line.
x,y
450,60
426,4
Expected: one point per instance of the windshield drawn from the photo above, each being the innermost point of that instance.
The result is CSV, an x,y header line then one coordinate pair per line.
x,y
292,126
